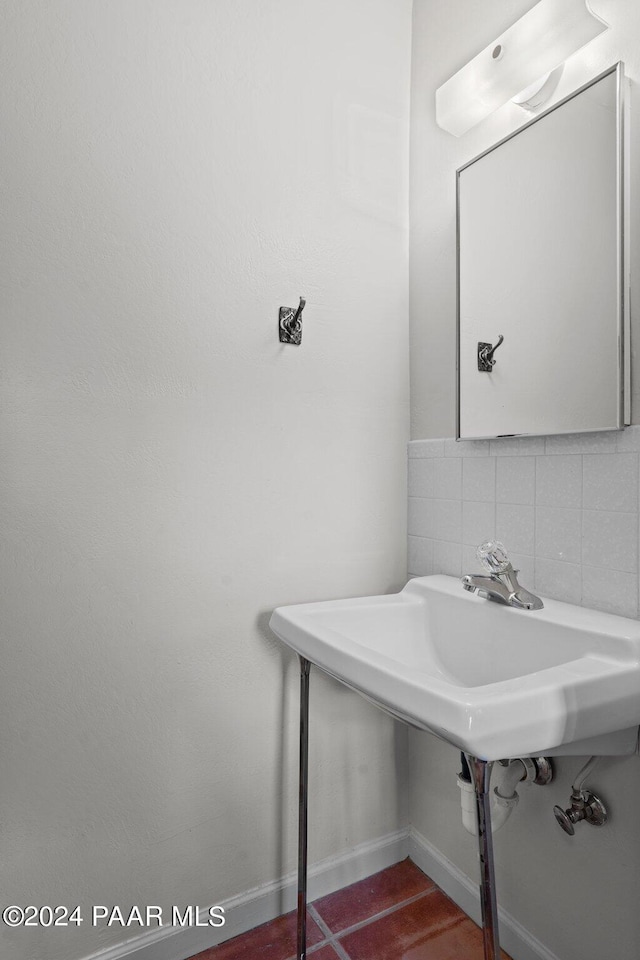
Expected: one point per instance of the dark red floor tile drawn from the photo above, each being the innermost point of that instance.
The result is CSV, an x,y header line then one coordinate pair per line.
x,y
431,928
324,953
275,940
372,895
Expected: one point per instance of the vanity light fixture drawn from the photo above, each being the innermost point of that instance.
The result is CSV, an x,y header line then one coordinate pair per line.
x,y
532,48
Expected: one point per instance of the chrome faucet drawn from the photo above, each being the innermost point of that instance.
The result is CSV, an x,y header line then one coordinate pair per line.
x,y
500,583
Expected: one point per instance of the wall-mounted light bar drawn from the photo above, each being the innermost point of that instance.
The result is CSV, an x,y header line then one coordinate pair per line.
x,y
536,44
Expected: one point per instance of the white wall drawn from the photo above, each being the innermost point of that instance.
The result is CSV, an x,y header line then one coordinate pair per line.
x,y
578,895
172,172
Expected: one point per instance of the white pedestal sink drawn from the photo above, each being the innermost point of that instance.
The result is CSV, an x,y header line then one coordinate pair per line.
x,y
492,680
495,681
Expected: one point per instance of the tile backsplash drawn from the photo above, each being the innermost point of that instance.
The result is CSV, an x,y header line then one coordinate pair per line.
x,y
565,507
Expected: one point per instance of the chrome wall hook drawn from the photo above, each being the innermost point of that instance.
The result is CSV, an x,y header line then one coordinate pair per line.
x,y
485,355
290,323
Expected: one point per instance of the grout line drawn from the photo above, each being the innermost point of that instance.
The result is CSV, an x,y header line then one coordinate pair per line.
x,y
535,518
384,913
340,950
581,530
495,499
332,939
446,499
321,923
418,536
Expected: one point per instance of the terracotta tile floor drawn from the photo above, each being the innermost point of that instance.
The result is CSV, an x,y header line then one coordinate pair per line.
x,y
397,914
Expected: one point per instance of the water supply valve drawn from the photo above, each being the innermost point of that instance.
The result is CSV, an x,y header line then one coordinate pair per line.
x,y
584,806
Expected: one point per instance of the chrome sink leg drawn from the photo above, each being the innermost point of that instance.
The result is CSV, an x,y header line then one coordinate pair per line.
x,y
481,775
302,809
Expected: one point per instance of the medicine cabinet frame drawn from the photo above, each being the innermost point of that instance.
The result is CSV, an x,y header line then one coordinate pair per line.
x,y
622,320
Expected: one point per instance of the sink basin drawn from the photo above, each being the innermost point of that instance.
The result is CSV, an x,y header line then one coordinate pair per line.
x,y
494,681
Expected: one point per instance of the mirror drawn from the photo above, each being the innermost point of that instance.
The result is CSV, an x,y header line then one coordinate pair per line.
x,y
542,319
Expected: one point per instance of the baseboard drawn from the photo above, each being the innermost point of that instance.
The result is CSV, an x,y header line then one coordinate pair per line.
x,y
270,900
514,938
263,903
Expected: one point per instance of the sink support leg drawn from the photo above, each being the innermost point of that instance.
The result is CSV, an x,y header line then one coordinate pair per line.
x,y
480,775
305,667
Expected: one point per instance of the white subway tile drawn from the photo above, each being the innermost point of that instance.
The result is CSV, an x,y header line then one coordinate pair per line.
x,y
447,558
610,590
517,446
610,540
479,478
611,482
466,448
418,477
569,517
437,478
417,517
515,479
446,480
558,580
435,519
558,533
426,448
526,569
559,481
515,527
628,440
478,522
420,557
470,562
605,441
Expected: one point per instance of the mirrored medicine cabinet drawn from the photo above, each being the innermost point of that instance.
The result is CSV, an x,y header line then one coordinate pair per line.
x,y
543,328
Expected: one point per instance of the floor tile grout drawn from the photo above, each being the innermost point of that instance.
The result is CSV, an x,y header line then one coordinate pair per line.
x,y
333,939
329,938
321,923
383,913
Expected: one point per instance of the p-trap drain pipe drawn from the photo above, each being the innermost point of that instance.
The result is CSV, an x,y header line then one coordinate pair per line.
x,y
504,797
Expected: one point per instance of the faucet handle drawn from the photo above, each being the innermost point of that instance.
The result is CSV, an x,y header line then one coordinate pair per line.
x,y
493,556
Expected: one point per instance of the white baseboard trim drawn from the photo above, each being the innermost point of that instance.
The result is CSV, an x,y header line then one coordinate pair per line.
x,y
263,903
514,938
270,900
